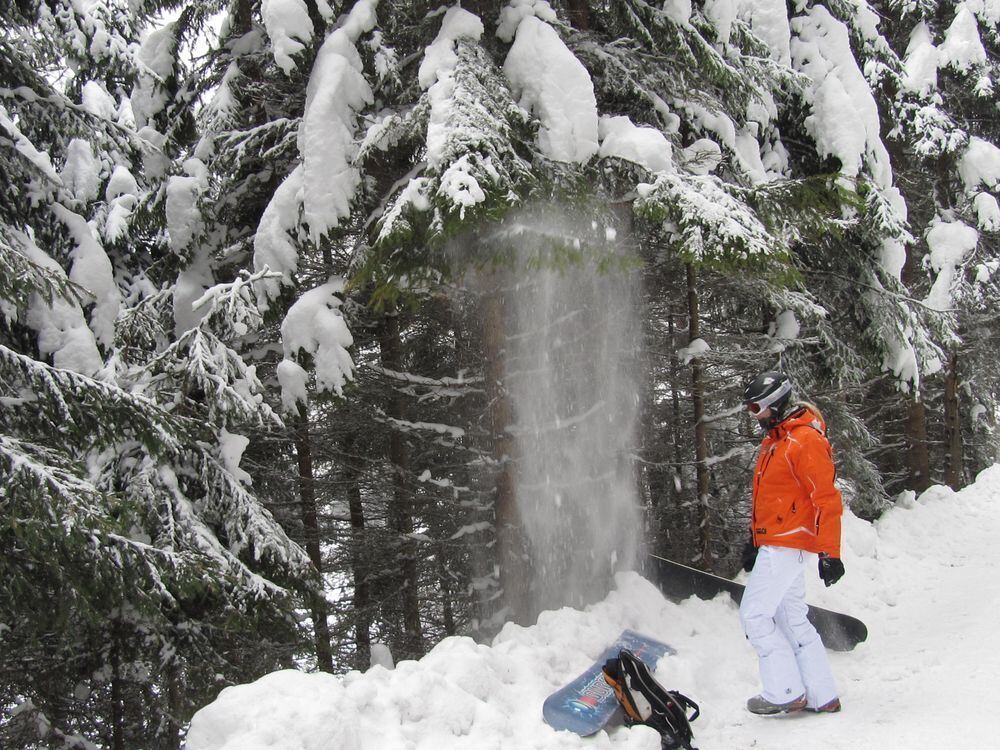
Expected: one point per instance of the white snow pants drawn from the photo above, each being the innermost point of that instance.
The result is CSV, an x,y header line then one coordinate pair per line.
x,y
792,658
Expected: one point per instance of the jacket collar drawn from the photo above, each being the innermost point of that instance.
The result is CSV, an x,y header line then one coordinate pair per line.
x,y
801,416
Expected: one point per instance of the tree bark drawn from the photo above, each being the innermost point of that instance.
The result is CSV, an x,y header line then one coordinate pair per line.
x,y
579,14
401,507
915,426
514,575
675,414
117,693
319,25
700,431
242,15
953,424
360,563
310,531
649,478
447,605
916,441
487,10
175,704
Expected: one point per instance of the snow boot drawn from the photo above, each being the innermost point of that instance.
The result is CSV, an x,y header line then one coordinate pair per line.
x,y
831,707
762,706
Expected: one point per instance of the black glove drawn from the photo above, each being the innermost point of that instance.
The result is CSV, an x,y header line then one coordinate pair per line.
x,y
749,556
831,569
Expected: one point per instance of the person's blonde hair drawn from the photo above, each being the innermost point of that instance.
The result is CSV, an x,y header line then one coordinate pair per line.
x,y
811,407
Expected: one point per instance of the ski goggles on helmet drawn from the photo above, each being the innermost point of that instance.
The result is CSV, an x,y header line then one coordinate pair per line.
x,y
764,402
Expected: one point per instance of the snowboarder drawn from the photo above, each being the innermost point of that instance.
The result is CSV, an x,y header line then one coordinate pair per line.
x,y
795,518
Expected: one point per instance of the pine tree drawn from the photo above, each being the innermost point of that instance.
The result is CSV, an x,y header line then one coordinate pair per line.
x,y
138,566
286,264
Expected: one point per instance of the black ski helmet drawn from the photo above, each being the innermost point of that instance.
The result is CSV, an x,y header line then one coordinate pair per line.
x,y
769,389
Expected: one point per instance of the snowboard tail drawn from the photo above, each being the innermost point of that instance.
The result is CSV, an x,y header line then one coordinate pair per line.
x,y
586,704
839,632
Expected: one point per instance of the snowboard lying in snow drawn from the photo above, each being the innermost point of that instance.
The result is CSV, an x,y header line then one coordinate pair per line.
x,y
839,632
586,704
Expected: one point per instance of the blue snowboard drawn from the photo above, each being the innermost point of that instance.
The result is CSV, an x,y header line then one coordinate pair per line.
x,y
585,705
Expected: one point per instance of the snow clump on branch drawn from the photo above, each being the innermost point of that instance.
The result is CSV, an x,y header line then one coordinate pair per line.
x,y
288,25
550,82
645,146
437,75
315,327
845,119
336,92
950,242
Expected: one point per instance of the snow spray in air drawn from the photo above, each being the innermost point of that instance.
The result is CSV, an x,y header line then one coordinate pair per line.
x,y
571,359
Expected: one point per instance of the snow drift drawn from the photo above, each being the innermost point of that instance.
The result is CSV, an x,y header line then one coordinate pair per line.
x,y
921,578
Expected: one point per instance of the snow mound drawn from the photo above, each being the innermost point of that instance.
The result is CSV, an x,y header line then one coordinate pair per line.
x,y
920,577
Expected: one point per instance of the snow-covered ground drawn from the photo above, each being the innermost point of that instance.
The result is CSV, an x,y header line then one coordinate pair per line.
x,y
923,578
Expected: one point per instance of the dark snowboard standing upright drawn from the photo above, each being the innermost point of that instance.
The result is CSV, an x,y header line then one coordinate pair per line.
x,y
677,581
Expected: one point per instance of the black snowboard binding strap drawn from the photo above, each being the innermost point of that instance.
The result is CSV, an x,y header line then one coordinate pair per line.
x,y
645,701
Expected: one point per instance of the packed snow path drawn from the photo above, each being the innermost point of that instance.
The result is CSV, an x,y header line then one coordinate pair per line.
x,y
923,579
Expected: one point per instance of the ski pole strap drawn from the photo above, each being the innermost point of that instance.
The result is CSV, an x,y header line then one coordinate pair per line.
x,y
686,703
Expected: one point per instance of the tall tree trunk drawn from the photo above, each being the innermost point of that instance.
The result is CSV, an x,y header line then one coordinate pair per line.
x,y
117,693
915,426
700,431
916,442
514,573
447,605
650,478
675,405
487,10
401,507
579,14
953,424
242,18
310,530
360,563
319,25
175,704
468,330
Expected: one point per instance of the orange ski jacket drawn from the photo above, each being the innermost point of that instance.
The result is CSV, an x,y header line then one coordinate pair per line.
x,y
795,501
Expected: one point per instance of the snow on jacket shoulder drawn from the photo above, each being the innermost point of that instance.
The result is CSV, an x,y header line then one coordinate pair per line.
x,y
795,501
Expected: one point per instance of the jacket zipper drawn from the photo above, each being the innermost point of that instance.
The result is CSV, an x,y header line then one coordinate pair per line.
x,y
760,475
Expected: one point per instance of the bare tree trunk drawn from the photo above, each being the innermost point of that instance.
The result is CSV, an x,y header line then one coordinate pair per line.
x,y
175,704
487,10
675,404
649,478
467,324
579,14
915,427
700,432
514,576
319,25
953,424
242,18
117,694
310,531
401,507
447,605
916,441
360,564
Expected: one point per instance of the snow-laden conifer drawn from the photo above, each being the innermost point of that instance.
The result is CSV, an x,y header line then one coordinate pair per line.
x,y
135,539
